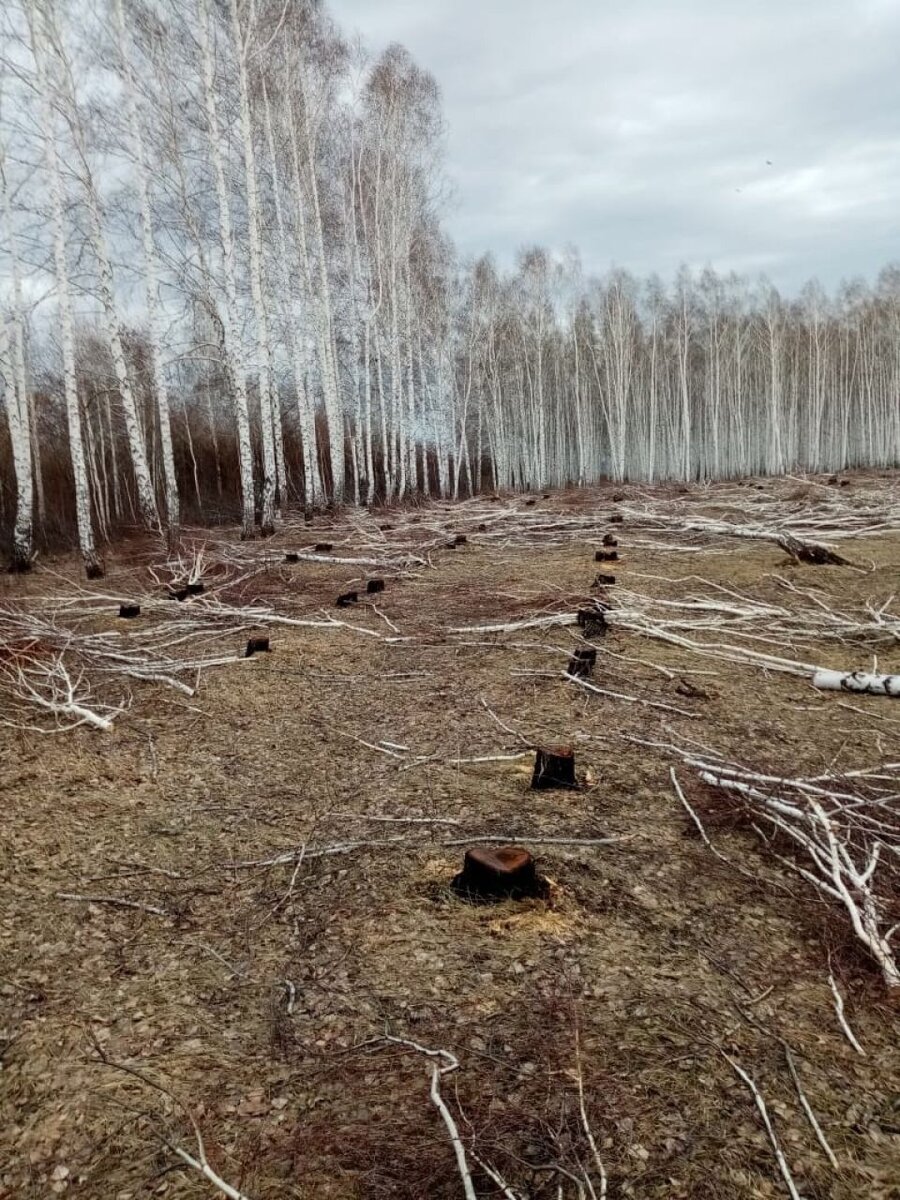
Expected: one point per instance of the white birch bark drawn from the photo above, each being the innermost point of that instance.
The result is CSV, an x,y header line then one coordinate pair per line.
x,y
91,559
242,46
151,277
233,346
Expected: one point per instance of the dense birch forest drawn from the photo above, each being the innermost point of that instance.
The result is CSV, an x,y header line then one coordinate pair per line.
x,y
226,291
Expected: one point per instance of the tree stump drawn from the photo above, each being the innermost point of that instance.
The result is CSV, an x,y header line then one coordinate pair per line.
x,y
582,662
128,611
179,594
507,873
257,645
554,767
546,496
482,528
196,589
374,586
347,599
610,540
460,539
292,557
323,547
385,528
94,571
593,622
604,580
528,503
606,556
616,518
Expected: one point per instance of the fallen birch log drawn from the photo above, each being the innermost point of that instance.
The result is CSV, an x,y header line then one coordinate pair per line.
x,y
857,681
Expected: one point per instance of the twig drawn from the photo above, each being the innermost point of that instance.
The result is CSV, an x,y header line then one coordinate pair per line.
x,y
764,1113
839,1009
114,900
807,1108
451,1064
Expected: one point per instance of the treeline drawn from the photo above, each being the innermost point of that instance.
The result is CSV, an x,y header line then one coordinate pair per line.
x,y
226,290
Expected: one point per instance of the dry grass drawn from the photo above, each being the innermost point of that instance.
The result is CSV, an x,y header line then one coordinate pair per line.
x,y
656,953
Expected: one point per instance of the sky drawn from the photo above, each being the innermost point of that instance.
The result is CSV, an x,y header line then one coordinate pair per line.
x,y
761,136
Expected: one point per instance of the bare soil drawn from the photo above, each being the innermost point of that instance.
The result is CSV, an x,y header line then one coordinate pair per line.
x,y
649,962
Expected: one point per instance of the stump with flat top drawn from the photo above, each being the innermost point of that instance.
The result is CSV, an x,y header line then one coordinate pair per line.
x,y
128,611
196,588
323,547
257,645
373,586
606,556
554,767
604,580
347,599
507,873
583,661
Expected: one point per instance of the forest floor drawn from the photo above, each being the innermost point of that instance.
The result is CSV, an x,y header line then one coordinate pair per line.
x,y
253,1002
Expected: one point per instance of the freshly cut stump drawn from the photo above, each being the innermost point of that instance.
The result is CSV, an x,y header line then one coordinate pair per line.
x,y
128,611
373,586
257,645
554,767
507,873
583,661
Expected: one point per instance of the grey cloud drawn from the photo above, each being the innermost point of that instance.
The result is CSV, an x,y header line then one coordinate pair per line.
x,y
642,134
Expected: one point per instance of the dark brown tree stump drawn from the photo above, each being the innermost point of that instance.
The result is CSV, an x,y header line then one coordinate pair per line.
x,y
94,571
482,528
257,645
507,873
610,540
196,589
323,547
606,556
616,518
604,580
460,539
385,528
292,557
374,586
554,767
593,622
128,611
582,662
347,599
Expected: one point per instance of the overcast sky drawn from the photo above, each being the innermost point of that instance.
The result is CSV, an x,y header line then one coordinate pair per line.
x,y
641,131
